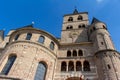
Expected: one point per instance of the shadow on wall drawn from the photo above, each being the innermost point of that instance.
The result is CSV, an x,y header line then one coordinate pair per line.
x,y
82,37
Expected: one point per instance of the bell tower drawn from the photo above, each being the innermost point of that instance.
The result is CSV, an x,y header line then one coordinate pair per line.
x,y
74,28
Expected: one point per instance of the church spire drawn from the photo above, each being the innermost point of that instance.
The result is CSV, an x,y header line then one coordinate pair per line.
x,y
75,11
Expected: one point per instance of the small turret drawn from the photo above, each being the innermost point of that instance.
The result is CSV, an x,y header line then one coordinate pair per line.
x,y
99,35
104,50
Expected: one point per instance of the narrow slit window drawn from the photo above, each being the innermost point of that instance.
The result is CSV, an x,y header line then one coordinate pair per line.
x,y
108,66
102,43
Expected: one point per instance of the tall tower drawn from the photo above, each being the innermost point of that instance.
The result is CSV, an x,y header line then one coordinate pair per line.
x,y
106,56
74,27
75,55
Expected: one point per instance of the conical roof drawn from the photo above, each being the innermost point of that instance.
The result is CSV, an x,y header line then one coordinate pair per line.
x,y
95,20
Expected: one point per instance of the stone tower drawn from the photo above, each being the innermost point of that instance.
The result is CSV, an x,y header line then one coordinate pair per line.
x,y
107,58
85,51
74,28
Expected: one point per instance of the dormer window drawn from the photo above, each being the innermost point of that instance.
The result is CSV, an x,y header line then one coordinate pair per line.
x,y
70,19
80,17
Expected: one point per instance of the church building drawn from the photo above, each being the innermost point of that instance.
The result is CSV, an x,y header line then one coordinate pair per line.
x,y
84,51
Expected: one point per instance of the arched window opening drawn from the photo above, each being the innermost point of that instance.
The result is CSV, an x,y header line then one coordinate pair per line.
x,y
71,66
17,36
74,53
83,25
9,64
78,66
71,27
80,53
86,66
41,39
67,28
68,53
52,45
28,37
79,26
63,66
70,19
80,17
40,72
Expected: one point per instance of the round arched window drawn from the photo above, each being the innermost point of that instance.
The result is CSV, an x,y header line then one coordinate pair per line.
x,y
80,17
70,19
52,45
41,39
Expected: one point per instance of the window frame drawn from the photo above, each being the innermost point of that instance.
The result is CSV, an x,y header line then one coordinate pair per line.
x,y
7,67
38,71
41,39
52,45
80,17
29,35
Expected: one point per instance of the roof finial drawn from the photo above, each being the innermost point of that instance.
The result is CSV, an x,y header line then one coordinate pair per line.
x,y
33,22
75,11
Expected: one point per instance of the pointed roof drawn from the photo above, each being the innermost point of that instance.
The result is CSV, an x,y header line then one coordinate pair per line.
x,y
75,11
95,20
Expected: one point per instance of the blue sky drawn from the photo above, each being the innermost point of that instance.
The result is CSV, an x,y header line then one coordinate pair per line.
x,y
48,14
